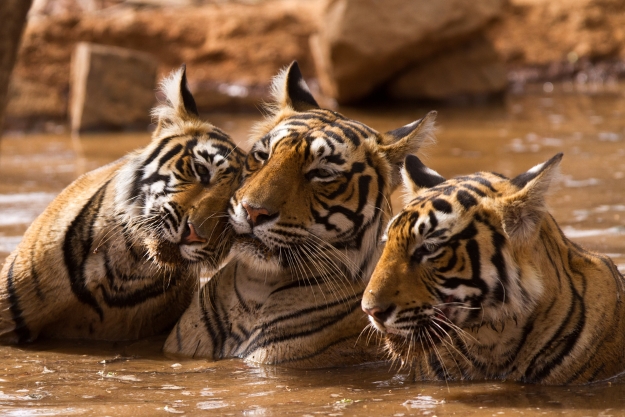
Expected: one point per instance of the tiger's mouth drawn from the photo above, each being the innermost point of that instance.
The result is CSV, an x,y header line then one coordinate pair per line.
x,y
165,252
197,248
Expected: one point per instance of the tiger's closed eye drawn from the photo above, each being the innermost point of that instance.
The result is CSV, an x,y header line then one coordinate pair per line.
x,y
260,156
320,174
424,250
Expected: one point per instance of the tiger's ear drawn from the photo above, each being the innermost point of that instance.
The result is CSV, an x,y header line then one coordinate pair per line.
x,y
289,90
399,143
179,104
523,211
417,176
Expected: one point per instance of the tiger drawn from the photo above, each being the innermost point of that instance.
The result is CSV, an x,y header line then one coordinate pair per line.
x,y
118,253
307,218
476,281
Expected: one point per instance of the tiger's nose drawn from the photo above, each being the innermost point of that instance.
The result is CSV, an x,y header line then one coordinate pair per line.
x,y
190,235
380,314
256,215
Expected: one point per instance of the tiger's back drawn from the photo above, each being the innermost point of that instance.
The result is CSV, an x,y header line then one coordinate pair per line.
x,y
478,282
117,254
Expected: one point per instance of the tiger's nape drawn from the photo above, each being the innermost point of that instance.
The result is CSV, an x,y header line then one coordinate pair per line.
x,y
117,254
477,281
308,216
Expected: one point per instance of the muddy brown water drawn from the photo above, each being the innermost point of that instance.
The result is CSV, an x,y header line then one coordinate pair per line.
x,y
54,378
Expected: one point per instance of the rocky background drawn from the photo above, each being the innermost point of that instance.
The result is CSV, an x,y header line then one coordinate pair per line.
x,y
351,50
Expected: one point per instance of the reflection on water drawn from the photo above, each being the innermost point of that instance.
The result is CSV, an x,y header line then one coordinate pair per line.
x,y
78,378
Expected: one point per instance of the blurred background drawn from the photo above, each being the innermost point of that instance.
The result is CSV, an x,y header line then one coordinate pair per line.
x,y
351,51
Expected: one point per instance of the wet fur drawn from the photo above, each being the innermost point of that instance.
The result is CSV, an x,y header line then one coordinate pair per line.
x,y
478,282
291,295
112,257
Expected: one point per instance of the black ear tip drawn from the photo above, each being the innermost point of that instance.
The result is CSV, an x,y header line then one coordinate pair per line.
x,y
420,174
183,79
187,97
297,90
294,71
413,161
554,159
294,67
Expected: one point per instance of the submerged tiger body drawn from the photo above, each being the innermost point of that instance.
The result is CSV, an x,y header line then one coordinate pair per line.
x,y
477,281
308,216
117,254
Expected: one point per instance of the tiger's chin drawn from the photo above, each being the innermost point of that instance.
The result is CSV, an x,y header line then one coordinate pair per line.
x,y
408,344
170,255
253,251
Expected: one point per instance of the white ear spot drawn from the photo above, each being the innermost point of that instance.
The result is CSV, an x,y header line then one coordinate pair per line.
x,y
536,168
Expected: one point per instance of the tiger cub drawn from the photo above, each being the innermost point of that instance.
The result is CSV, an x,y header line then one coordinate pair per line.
x,y
308,216
477,281
117,254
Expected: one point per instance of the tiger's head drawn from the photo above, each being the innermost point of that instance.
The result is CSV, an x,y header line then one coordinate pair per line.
x,y
459,256
316,185
172,196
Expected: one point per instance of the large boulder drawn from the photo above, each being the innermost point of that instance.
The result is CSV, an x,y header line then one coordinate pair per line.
x,y
472,69
362,43
111,88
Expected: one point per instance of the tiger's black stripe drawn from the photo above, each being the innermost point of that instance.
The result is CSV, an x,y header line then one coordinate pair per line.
x,y
21,329
77,245
262,341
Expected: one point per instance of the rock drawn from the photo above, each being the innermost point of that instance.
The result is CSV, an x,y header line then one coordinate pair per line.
x,y
541,32
362,43
224,44
473,69
111,87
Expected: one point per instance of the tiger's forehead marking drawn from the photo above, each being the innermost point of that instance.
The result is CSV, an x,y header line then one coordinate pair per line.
x,y
213,152
466,190
321,123
320,134
434,208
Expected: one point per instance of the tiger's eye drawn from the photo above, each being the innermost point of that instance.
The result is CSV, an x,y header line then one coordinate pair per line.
x,y
425,250
260,156
320,173
201,170
203,173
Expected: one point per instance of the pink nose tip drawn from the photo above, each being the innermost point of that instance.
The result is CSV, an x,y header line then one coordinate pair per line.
x,y
379,314
190,235
254,212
